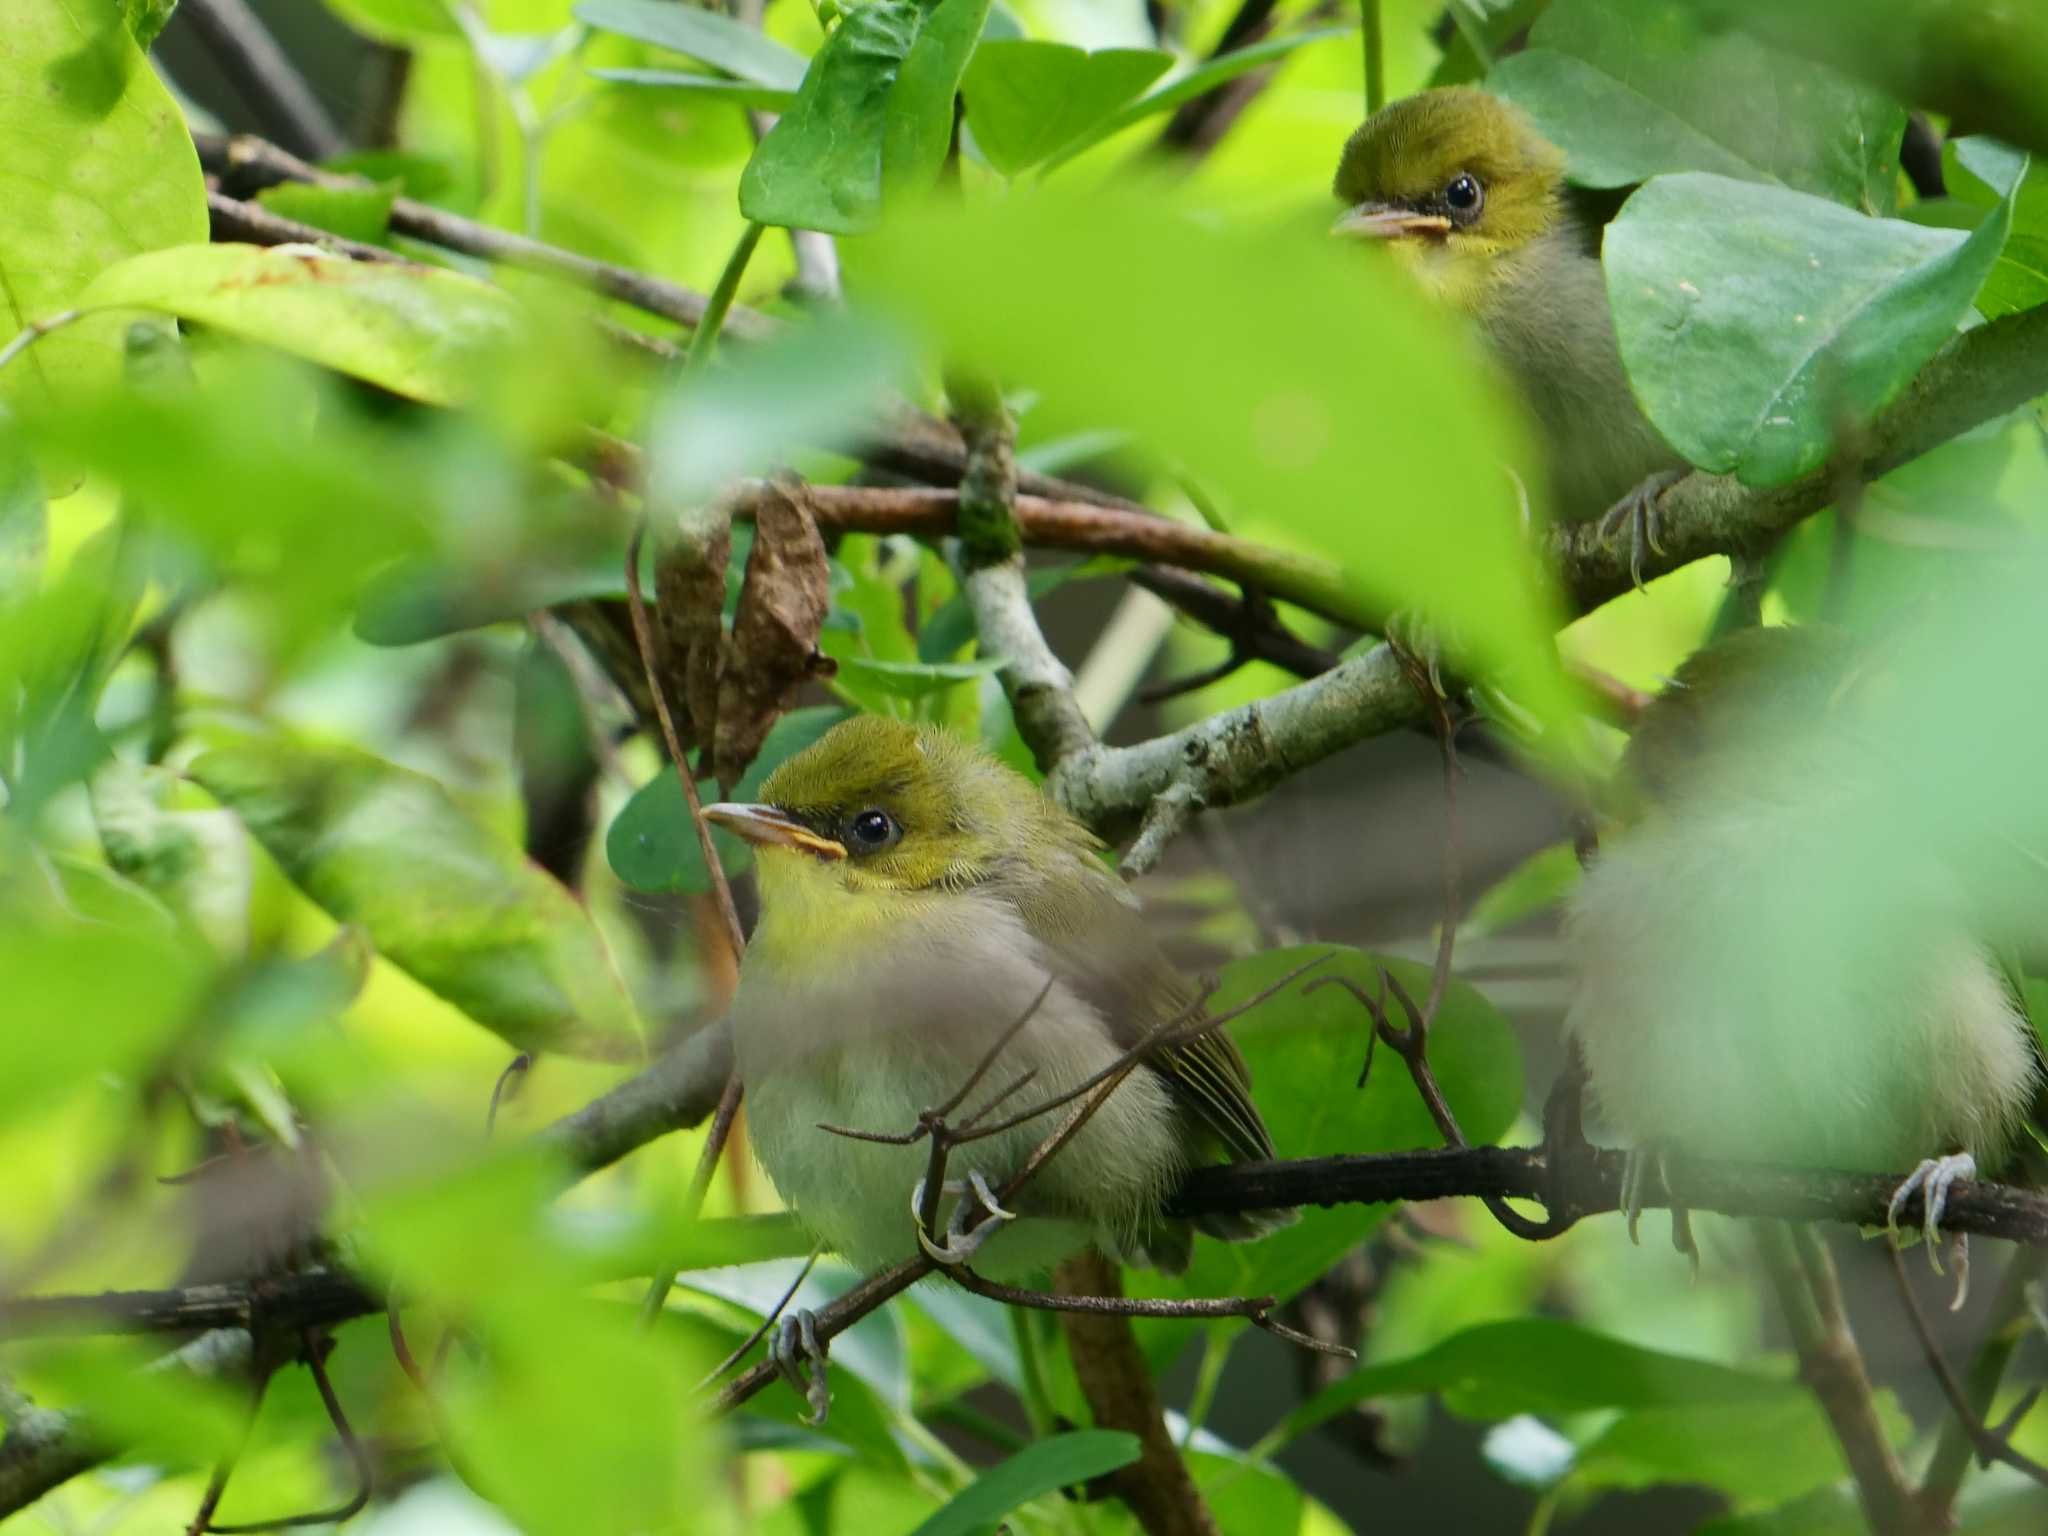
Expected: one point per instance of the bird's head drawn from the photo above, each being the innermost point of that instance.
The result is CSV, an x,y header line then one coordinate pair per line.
x,y
878,808
1453,179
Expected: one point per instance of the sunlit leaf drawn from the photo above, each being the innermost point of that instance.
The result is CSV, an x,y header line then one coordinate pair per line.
x,y
1537,884
1352,400
917,128
1028,100
355,211
740,50
100,166
196,861
652,845
1631,89
1196,82
439,895
1526,1451
1060,1461
914,679
1753,320
418,331
24,524
1977,170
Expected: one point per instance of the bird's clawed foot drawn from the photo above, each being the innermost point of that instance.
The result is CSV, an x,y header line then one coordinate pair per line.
x,y
800,1356
961,1242
1932,1181
1635,1184
1637,513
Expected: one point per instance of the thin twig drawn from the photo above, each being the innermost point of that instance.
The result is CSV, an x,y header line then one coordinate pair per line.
x,y
315,1352
2009,1322
1990,1445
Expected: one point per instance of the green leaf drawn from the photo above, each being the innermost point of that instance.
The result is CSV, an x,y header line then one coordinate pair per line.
x,y
1753,319
1537,884
1109,308
100,168
354,211
917,128
743,92
1028,100
914,679
417,600
146,19
715,39
1305,1050
1542,1365
1060,1461
951,624
820,167
1196,82
1631,89
653,847
24,521
422,332
1755,1452
441,897
1976,171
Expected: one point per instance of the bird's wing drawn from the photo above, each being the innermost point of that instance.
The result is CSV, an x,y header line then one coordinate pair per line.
x,y
1107,955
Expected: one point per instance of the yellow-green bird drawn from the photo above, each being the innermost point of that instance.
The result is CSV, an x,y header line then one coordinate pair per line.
x,y
917,895
1460,183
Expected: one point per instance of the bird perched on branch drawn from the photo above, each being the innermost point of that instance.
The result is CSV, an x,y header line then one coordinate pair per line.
x,y
918,897
1461,184
1773,966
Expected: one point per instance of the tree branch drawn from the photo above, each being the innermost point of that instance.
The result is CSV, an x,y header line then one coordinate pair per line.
x,y
236,39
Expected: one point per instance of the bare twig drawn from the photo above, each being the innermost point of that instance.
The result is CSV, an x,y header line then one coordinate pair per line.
x,y
244,51
2010,1321
1989,1444
1810,1295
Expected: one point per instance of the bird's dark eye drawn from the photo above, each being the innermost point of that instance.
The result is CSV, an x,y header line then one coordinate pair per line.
x,y
868,831
1463,196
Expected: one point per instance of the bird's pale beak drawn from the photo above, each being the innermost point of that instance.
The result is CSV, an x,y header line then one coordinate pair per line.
x,y
1382,221
771,828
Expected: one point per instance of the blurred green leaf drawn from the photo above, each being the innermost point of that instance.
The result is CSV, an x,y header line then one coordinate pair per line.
x,y
1196,82
816,387
913,679
1543,1365
1753,320
140,1398
146,19
102,167
951,625
1980,64
1631,89
1028,100
353,211
417,331
24,522
1305,1051
1108,305
653,847
707,35
422,599
442,898
743,92
1060,1461
1537,884
196,861
1758,1453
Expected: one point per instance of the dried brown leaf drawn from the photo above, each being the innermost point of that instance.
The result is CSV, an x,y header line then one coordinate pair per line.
x,y
689,595
773,648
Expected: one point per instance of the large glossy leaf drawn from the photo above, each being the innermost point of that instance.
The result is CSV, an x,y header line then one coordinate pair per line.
x,y
1305,1050
1028,100
876,106
1350,402
653,847
1060,1461
708,35
416,331
1753,319
99,167
1631,89
1545,1366
440,896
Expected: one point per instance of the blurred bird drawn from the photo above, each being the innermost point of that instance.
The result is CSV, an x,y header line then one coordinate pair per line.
x,y
1769,968
917,895
1461,184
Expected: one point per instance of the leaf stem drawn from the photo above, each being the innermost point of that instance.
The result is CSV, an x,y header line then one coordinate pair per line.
x,y
35,331
704,341
1373,40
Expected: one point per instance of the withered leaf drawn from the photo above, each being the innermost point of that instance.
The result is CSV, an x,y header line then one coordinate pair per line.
x,y
773,647
689,595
